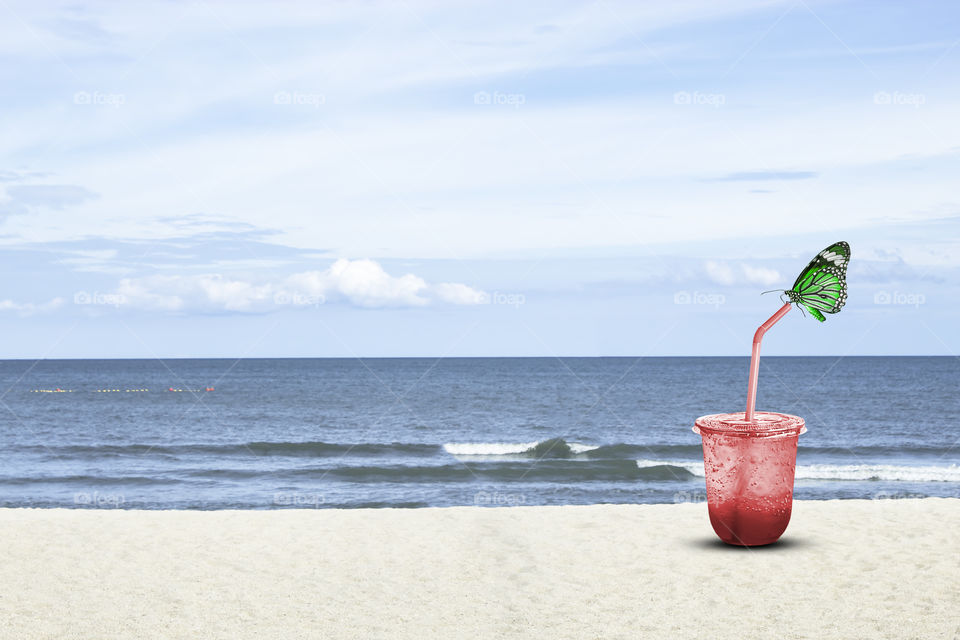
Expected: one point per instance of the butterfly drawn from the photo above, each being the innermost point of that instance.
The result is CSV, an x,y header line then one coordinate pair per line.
x,y
822,286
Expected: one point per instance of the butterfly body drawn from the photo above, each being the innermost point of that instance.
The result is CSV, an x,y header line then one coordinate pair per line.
x,y
822,286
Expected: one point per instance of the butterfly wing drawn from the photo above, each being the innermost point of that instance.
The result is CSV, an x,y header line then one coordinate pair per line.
x,y
836,255
823,289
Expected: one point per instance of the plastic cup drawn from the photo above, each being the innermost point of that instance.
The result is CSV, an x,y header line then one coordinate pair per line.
x,y
749,469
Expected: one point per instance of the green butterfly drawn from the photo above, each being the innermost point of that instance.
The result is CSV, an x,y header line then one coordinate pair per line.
x,y
822,286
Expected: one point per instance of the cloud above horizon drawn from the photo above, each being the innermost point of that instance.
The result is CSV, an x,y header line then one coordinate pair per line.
x,y
726,273
24,309
23,198
361,283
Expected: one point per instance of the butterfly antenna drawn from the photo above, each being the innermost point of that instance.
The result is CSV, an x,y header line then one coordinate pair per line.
x,y
771,291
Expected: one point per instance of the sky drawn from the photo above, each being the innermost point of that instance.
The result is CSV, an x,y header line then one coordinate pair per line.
x,y
214,179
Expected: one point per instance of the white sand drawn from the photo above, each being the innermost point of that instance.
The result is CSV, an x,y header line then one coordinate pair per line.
x,y
844,569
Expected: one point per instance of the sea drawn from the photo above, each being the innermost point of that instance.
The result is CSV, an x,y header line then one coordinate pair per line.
x,y
427,432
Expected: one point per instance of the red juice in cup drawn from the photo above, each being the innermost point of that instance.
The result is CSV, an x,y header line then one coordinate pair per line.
x,y
749,469
750,458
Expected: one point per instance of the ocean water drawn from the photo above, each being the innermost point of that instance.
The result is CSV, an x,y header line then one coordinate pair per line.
x,y
266,434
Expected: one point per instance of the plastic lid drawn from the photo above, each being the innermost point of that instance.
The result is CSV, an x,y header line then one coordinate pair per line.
x,y
765,423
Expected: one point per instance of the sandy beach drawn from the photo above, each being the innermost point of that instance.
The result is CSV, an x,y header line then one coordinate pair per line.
x,y
844,569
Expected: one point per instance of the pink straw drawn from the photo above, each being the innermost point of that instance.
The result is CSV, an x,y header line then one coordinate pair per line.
x,y
755,359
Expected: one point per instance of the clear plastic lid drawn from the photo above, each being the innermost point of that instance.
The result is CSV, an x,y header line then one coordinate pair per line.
x,y
765,423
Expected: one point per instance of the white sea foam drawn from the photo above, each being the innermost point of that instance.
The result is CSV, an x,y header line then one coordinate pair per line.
x,y
514,448
487,448
904,473
893,472
696,468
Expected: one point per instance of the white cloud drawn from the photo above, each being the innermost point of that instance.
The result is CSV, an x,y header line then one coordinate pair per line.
x,y
456,293
22,198
29,308
363,283
719,272
234,295
155,293
727,274
760,275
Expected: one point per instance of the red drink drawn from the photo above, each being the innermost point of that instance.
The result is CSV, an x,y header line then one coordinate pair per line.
x,y
749,469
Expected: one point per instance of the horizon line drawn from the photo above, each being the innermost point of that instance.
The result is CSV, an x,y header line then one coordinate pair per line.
x,y
428,357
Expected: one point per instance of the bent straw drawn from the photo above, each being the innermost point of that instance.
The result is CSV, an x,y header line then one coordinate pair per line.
x,y
755,359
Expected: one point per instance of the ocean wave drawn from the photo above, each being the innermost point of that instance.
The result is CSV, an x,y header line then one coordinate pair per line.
x,y
488,449
862,472
552,448
871,452
559,448
902,473
549,448
692,468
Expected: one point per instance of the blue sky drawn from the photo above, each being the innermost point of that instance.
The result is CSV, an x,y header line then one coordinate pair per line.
x,y
407,178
